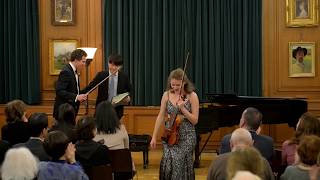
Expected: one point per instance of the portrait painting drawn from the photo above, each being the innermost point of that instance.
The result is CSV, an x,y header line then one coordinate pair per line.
x,y
302,9
302,13
301,59
59,54
63,12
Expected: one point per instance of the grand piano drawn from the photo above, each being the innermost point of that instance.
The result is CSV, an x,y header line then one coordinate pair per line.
x,y
223,110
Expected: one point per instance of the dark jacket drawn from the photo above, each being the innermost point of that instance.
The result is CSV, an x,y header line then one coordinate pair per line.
x,y
90,153
36,147
15,132
123,86
263,143
66,90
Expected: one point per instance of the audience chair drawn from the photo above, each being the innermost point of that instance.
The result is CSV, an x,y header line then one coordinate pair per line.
x,y
276,164
102,172
121,163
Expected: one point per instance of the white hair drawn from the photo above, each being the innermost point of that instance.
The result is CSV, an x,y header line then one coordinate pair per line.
x,y
245,175
19,164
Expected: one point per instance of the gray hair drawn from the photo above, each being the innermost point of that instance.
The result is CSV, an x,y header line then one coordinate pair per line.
x,y
19,164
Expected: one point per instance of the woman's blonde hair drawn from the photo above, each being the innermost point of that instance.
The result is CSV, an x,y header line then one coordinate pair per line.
x,y
245,159
178,75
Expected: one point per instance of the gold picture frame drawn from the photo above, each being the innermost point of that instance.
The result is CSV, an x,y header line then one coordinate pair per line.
x,y
301,13
59,53
63,12
302,59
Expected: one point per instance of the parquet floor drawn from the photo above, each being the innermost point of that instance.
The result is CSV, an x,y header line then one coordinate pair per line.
x,y
152,172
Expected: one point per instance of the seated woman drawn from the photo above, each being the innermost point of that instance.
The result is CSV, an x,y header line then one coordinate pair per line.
x,y
307,125
241,160
66,121
63,164
110,130
19,163
16,130
90,153
307,154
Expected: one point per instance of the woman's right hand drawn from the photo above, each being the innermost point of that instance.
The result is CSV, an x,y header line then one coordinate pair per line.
x,y
153,143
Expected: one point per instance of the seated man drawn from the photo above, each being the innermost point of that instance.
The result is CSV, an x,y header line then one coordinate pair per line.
x,y
38,125
251,120
240,139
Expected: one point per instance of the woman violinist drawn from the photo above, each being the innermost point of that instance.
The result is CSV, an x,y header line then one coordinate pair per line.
x,y
177,159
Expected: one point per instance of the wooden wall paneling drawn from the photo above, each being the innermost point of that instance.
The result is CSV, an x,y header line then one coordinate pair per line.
x,y
276,36
88,30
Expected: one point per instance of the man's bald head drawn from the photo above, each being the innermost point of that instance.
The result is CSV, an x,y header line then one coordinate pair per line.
x,y
240,138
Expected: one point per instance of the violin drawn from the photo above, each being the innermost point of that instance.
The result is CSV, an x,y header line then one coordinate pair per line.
x,y
171,133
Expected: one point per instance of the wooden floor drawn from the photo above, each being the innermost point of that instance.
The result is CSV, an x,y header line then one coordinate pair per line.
x,y
152,172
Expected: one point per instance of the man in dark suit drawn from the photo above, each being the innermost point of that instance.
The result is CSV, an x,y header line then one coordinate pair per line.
x,y
116,84
251,120
239,140
68,85
38,124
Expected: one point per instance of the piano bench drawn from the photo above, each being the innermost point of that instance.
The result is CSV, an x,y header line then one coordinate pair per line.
x,y
139,143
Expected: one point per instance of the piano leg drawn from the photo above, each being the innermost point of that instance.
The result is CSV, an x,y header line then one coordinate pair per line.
x,y
196,163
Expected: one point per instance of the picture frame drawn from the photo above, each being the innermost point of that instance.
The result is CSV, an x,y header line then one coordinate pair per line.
x,y
302,13
63,12
59,53
302,59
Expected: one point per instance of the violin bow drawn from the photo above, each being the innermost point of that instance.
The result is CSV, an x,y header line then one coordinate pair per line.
x,y
112,74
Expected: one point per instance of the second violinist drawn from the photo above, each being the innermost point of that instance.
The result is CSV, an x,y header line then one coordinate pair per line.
x,y
179,98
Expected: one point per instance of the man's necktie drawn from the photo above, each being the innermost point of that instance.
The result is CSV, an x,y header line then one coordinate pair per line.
x,y
111,92
77,79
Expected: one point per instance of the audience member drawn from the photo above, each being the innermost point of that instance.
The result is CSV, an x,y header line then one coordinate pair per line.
x,y
66,121
251,120
63,165
307,125
38,124
307,153
110,130
240,138
241,160
90,153
19,164
16,130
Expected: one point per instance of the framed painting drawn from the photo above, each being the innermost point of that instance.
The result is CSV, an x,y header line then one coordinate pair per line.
x,y
59,54
301,59
63,12
302,13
